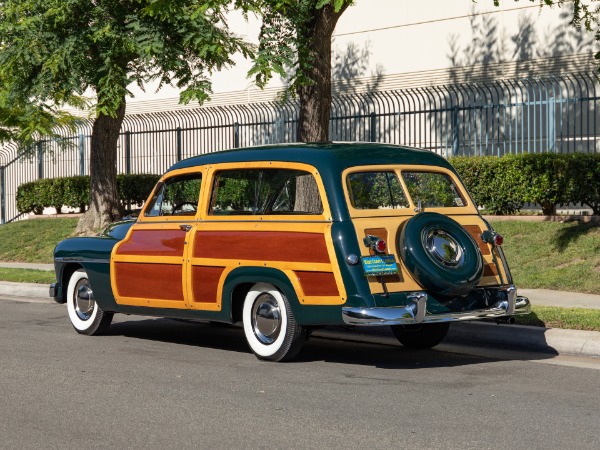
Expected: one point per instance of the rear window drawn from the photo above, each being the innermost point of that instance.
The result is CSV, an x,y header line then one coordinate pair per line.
x,y
376,190
432,190
265,192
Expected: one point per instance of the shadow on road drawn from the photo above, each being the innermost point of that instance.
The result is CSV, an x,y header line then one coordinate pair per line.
x,y
330,350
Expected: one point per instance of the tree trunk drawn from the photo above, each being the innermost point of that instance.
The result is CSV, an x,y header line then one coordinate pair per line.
x,y
315,100
104,197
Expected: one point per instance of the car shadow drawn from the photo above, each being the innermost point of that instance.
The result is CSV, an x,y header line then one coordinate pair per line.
x,y
319,347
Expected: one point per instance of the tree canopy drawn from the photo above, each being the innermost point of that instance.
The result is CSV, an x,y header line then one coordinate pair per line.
x,y
53,52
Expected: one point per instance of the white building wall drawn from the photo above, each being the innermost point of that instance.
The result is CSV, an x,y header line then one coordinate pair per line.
x,y
390,44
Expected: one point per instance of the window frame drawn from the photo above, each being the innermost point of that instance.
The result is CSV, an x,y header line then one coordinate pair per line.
x,y
468,208
164,179
257,165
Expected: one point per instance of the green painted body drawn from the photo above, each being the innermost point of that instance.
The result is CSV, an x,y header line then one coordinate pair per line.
x,y
93,253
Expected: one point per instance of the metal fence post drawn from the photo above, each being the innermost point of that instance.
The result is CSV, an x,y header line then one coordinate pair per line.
x,y
2,195
236,135
455,131
373,134
179,154
40,158
128,152
81,155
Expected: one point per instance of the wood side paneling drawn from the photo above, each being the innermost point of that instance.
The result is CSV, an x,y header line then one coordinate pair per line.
x,y
317,283
261,246
154,243
205,283
490,270
475,233
151,281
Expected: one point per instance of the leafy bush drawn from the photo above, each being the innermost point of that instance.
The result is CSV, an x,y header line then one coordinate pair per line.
x,y
585,172
75,192
494,183
502,185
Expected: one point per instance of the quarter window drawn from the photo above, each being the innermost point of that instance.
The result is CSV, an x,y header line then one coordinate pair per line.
x,y
432,189
177,196
376,190
265,192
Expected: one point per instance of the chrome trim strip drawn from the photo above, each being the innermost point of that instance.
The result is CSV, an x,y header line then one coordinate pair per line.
x,y
404,315
83,260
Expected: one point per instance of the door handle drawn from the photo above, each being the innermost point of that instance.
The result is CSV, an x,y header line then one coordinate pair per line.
x,y
185,228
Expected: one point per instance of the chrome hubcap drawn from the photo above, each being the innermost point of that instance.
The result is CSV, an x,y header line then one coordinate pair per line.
x,y
266,318
84,300
443,247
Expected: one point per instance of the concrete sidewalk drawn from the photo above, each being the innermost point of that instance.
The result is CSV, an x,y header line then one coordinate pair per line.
x,y
550,340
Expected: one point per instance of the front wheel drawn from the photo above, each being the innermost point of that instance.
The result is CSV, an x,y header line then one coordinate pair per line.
x,y
422,335
269,325
85,314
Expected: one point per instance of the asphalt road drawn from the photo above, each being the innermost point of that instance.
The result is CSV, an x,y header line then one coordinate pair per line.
x,y
157,383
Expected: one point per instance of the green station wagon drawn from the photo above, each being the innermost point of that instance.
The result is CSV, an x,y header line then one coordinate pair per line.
x,y
284,239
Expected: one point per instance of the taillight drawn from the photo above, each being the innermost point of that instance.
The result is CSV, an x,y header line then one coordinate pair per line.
x,y
491,237
380,246
375,244
498,239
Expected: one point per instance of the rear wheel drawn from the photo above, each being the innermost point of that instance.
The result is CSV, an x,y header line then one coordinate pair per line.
x,y
421,335
85,314
269,325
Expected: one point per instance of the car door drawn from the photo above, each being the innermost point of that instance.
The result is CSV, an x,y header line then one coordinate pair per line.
x,y
147,267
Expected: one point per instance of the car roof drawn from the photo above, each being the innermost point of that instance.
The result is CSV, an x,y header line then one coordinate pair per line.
x,y
326,157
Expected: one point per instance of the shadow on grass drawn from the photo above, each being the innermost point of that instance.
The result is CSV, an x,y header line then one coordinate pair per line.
x,y
566,235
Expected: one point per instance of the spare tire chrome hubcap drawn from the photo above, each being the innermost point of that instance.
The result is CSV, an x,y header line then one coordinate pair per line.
x,y
444,248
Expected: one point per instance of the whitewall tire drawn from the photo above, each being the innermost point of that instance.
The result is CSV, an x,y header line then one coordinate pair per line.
x,y
269,325
85,314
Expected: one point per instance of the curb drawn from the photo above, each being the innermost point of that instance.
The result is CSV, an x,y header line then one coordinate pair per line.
x,y
517,337
547,340
30,290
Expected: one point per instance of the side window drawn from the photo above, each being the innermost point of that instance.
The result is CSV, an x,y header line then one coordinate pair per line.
x,y
376,190
177,196
432,189
264,192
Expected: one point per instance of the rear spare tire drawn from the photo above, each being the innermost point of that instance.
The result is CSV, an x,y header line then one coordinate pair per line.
x,y
440,254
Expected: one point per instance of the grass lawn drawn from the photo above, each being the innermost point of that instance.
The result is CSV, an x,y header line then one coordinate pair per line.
x,y
553,255
570,318
33,240
27,276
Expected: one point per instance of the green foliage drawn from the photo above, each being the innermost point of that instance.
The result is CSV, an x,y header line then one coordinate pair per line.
x,y
585,172
53,50
284,40
493,183
27,276
503,185
136,188
74,192
25,122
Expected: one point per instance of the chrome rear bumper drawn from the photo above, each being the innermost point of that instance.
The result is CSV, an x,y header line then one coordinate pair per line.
x,y
416,312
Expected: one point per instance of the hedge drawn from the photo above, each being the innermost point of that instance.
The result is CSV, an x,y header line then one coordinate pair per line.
x,y
502,185
499,185
74,192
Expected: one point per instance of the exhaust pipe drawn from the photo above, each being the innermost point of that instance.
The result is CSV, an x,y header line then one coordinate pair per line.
x,y
505,320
